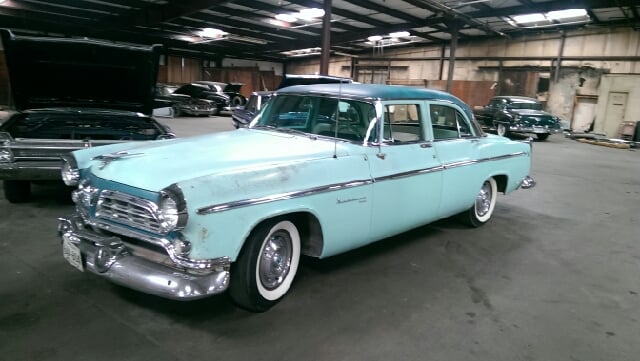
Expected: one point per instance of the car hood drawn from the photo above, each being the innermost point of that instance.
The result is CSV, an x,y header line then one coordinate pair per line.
x,y
64,72
155,165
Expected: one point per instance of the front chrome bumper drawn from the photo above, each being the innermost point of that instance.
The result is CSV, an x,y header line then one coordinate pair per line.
x,y
111,258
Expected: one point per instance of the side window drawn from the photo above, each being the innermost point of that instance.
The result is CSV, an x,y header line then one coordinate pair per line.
x,y
448,123
402,123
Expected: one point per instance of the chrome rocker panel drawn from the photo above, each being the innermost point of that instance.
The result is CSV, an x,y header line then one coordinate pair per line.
x,y
109,257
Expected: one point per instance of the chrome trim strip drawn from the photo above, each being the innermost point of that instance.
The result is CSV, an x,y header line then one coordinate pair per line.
x,y
339,186
282,196
410,173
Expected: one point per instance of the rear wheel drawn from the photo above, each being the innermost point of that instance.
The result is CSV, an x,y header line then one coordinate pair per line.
x,y
542,136
17,191
237,100
267,265
482,208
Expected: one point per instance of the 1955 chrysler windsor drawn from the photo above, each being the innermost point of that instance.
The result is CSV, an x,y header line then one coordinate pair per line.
x,y
188,218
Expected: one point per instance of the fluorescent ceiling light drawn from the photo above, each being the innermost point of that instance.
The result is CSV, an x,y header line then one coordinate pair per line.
x,y
286,18
529,18
310,14
400,34
566,14
304,14
374,38
212,33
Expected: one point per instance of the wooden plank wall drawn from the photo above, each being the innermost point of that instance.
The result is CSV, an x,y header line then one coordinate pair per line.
x,y
473,92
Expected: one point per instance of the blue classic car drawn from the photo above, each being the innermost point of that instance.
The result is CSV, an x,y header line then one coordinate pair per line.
x,y
188,218
514,114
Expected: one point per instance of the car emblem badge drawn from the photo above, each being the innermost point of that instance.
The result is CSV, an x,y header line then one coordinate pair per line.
x,y
108,158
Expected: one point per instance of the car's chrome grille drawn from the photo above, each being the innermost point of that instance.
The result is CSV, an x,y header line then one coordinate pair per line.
x,y
129,210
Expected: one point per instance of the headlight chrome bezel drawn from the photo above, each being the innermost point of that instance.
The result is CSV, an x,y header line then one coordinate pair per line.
x,y
172,209
69,171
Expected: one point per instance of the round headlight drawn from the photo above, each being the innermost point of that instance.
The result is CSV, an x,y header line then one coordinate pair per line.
x,y
172,209
69,172
168,212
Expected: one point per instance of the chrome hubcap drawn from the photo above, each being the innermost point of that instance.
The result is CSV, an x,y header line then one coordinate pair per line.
x,y
275,260
501,129
483,200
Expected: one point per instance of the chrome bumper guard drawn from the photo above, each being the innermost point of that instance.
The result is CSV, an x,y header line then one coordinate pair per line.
x,y
527,183
109,257
533,129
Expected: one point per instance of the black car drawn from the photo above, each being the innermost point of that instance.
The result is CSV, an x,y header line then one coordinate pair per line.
x,y
230,89
243,114
71,94
182,103
516,114
209,91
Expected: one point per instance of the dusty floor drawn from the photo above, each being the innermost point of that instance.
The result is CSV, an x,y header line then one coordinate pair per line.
x,y
554,276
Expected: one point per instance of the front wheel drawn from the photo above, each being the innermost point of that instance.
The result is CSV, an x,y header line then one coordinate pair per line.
x,y
482,208
502,129
267,265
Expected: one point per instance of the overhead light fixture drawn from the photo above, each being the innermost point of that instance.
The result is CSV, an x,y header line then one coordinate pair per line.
x,y
551,18
400,34
310,14
304,14
529,18
212,33
286,18
566,14
373,38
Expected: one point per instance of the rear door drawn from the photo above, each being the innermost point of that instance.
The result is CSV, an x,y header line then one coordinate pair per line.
x,y
457,143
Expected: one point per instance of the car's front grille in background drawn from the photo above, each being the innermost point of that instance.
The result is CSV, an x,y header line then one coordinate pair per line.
x,y
129,210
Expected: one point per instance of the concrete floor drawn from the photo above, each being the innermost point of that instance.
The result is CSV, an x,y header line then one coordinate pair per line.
x,y
553,276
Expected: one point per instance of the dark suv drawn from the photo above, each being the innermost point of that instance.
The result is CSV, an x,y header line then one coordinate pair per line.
x,y
515,114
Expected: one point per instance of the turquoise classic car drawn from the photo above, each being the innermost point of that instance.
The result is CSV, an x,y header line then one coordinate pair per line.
x,y
321,170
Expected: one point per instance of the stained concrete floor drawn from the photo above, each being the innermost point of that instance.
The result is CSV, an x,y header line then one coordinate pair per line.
x,y
553,276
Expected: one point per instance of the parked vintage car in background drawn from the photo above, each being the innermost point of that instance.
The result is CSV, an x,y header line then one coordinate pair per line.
x,y
321,170
184,104
230,89
243,114
209,92
514,114
71,94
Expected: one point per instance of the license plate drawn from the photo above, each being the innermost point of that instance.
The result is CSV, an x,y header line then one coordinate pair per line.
x,y
72,254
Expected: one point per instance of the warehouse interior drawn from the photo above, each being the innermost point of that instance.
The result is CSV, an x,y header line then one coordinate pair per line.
x,y
553,276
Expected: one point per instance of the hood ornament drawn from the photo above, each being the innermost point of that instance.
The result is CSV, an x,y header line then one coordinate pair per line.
x,y
108,158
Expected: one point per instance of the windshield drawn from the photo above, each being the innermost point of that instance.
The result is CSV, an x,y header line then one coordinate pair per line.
x,y
320,115
525,105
